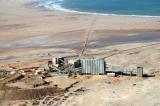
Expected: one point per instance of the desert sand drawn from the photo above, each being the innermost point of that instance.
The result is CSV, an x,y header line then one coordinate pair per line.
x,y
30,34
24,27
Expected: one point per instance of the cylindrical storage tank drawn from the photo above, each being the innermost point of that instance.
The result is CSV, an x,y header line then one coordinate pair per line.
x,y
140,71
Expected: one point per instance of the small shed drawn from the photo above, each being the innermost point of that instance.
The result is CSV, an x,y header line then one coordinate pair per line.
x,y
92,66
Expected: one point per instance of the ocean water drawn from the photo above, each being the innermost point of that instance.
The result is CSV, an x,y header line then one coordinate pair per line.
x,y
104,7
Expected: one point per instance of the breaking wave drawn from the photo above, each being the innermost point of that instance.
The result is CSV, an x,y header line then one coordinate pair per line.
x,y
57,5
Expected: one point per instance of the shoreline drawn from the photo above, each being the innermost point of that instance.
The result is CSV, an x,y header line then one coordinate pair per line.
x,y
30,23
62,9
28,39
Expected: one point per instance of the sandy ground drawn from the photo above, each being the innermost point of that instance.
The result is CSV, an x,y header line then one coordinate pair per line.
x,y
23,27
36,35
104,91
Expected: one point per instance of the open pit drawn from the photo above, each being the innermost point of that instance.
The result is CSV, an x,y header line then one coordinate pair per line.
x,y
10,93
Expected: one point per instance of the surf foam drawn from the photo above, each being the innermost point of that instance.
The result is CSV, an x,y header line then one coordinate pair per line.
x,y
57,5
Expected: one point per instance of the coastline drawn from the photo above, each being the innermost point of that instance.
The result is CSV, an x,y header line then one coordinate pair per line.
x,y
31,37
30,22
57,7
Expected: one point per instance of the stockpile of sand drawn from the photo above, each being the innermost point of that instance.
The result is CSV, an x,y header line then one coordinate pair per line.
x,y
34,80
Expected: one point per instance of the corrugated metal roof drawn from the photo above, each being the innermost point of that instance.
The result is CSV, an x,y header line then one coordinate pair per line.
x,y
92,66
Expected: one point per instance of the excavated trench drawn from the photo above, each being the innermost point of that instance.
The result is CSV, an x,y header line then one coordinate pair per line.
x,y
9,93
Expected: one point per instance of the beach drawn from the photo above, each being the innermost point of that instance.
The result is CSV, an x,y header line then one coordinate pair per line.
x,y
26,31
20,21
34,34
